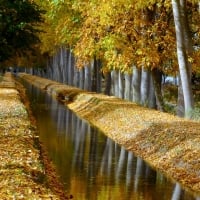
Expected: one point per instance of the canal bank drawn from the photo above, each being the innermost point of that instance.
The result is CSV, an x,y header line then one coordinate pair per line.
x,y
167,143
25,172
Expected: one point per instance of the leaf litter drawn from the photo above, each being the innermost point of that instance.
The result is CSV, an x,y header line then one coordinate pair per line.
x,y
25,171
168,143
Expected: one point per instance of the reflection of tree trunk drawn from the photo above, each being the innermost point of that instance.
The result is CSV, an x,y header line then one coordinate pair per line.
x,y
129,169
157,81
150,174
177,192
106,162
121,163
79,143
92,154
110,157
67,123
138,172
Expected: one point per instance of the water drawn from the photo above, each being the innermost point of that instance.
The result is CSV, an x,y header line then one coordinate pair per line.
x,y
92,166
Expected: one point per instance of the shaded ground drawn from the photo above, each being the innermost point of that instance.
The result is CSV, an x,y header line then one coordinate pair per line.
x,y
168,143
25,173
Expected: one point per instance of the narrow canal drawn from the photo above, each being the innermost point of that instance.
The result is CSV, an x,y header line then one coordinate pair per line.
x,y
90,165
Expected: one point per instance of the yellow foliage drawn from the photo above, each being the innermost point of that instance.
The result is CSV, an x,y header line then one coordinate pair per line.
x,y
119,32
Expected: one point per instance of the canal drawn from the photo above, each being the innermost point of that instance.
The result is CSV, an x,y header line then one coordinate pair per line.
x,y
90,165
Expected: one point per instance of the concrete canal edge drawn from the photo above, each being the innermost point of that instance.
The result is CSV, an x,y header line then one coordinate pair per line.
x,y
26,172
166,142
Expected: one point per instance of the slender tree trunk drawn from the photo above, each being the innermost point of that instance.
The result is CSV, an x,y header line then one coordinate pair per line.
x,y
96,80
145,78
182,57
127,94
136,82
189,48
65,58
180,104
151,97
115,83
157,81
108,83
81,78
76,78
121,84
94,75
87,81
98,76
71,72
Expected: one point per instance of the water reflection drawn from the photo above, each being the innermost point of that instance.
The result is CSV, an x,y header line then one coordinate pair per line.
x,y
92,166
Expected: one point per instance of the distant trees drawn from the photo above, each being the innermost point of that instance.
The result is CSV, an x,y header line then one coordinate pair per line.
x,y
18,32
128,43
133,40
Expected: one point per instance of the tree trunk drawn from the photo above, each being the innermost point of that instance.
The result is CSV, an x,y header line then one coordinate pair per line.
x,y
121,84
151,97
115,83
76,78
96,78
182,57
65,58
81,78
136,82
108,83
145,78
87,81
71,69
180,104
189,49
99,76
127,94
157,81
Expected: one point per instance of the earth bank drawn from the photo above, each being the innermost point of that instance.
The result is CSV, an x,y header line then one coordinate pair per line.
x,y
25,171
168,143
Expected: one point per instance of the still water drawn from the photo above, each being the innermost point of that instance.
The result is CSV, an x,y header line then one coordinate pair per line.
x,y
92,166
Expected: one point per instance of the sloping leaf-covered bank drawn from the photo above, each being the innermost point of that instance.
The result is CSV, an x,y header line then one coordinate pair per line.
x,y
168,143
23,174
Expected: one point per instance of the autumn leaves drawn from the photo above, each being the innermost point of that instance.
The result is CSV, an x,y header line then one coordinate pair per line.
x,y
119,33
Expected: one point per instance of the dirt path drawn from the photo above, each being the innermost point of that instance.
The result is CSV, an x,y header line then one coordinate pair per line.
x,y
23,174
168,143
